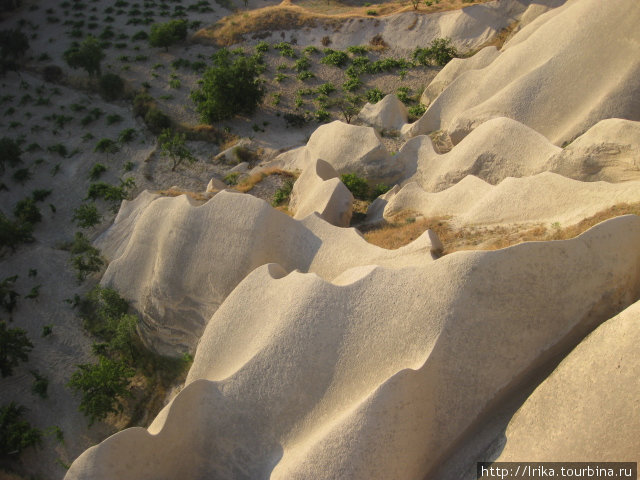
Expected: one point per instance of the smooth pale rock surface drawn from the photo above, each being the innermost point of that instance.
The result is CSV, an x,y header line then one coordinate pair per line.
x,y
455,68
348,149
544,198
318,189
497,149
588,407
215,185
177,262
610,151
541,80
388,114
365,377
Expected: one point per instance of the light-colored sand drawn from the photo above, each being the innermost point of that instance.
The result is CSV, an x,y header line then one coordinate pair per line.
x,y
316,386
540,80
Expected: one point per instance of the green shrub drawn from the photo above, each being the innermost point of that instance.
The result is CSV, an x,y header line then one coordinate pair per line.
x,y
172,145
283,193
262,47
379,189
102,387
96,171
416,111
111,86
22,175
357,186
352,84
305,75
308,50
85,257
40,384
127,135
439,52
322,115
106,145
140,35
26,211
372,13
16,434
231,178
336,58
10,153
14,233
326,88
167,34
40,194
285,49
14,348
88,56
358,50
87,215
404,95
231,86
374,95
156,120
302,64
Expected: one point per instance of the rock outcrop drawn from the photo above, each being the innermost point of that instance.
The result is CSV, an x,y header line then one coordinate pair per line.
x,y
318,189
388,114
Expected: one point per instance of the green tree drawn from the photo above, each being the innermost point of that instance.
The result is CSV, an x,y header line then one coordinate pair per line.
x,y
9,153
173,146
87,55
102,386
16,434
349,106
166,34
231,86
440,51
14,348
357,186
13,46
87,215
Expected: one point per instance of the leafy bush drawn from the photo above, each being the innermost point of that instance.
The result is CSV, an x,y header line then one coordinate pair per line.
x,y
283,193
336,58
262,47
40,384
26,211
106,191
16,434
167,34
88,56
111,86
308,50
156,120
86,258
229,87
231,178
10,153
357,186
113,118
302,64
106,145
14,348
326,88
379,189
358,49
285,49
102,386
172,145
387,65
322,115
52,73
352,84
416,111
305,75
87,215
13,233
22,175
439,52
96,171
404,95
140,35
374,95
127,135
13,46
295,120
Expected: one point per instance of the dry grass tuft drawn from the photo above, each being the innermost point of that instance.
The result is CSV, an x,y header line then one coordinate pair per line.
x,y
310,13
406,227
197,197
251,181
